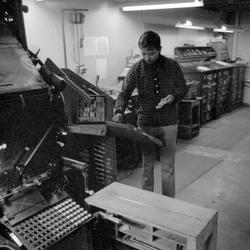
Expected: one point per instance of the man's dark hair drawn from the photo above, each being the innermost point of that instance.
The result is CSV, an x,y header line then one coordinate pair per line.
x,y
150,39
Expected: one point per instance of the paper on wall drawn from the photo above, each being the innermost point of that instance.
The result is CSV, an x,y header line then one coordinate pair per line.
x,y
96,46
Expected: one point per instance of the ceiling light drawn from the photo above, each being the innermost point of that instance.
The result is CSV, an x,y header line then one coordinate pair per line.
x,y
184,4
188,25
223,29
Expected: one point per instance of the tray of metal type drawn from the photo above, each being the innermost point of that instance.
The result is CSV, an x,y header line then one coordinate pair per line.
x,y
131,132
127,131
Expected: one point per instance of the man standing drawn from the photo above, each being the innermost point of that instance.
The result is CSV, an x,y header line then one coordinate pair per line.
x,y
161,86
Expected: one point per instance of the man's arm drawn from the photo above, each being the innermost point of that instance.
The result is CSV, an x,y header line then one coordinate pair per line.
x,y
124,96
181,87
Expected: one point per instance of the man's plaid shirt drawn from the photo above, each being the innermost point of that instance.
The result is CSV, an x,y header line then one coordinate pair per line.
x,y
153,83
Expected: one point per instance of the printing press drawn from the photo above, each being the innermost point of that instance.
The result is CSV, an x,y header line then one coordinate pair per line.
x,y
44,178
40,208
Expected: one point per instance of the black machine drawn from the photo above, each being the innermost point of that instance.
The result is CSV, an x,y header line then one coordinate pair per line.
x,y
39,208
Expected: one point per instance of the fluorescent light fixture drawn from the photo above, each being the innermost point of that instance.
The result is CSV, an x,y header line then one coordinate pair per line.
x,y
188,25
223,29
160,6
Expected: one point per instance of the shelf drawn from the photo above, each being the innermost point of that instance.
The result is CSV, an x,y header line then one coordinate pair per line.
x,y
158,233
139,233
164,244
137,244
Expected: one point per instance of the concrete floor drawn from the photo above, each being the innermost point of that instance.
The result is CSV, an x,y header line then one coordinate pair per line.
x,y
213,170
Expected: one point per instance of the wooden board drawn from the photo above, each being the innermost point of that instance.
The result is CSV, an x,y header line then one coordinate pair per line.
x,y
88,129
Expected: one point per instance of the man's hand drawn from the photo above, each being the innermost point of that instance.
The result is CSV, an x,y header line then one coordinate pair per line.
x,y
117,118
166,100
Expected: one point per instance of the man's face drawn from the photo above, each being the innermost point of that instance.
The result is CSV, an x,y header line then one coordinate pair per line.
x,y
150,55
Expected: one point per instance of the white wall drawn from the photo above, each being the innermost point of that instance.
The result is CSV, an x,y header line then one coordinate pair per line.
x,y
239,43
172,37
43,25
242,48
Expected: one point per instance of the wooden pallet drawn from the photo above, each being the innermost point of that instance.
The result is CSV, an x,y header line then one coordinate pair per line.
x,y
148,221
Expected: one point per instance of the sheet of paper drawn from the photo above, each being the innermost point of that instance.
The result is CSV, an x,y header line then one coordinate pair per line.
x,y
90,46
102,46
101,67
